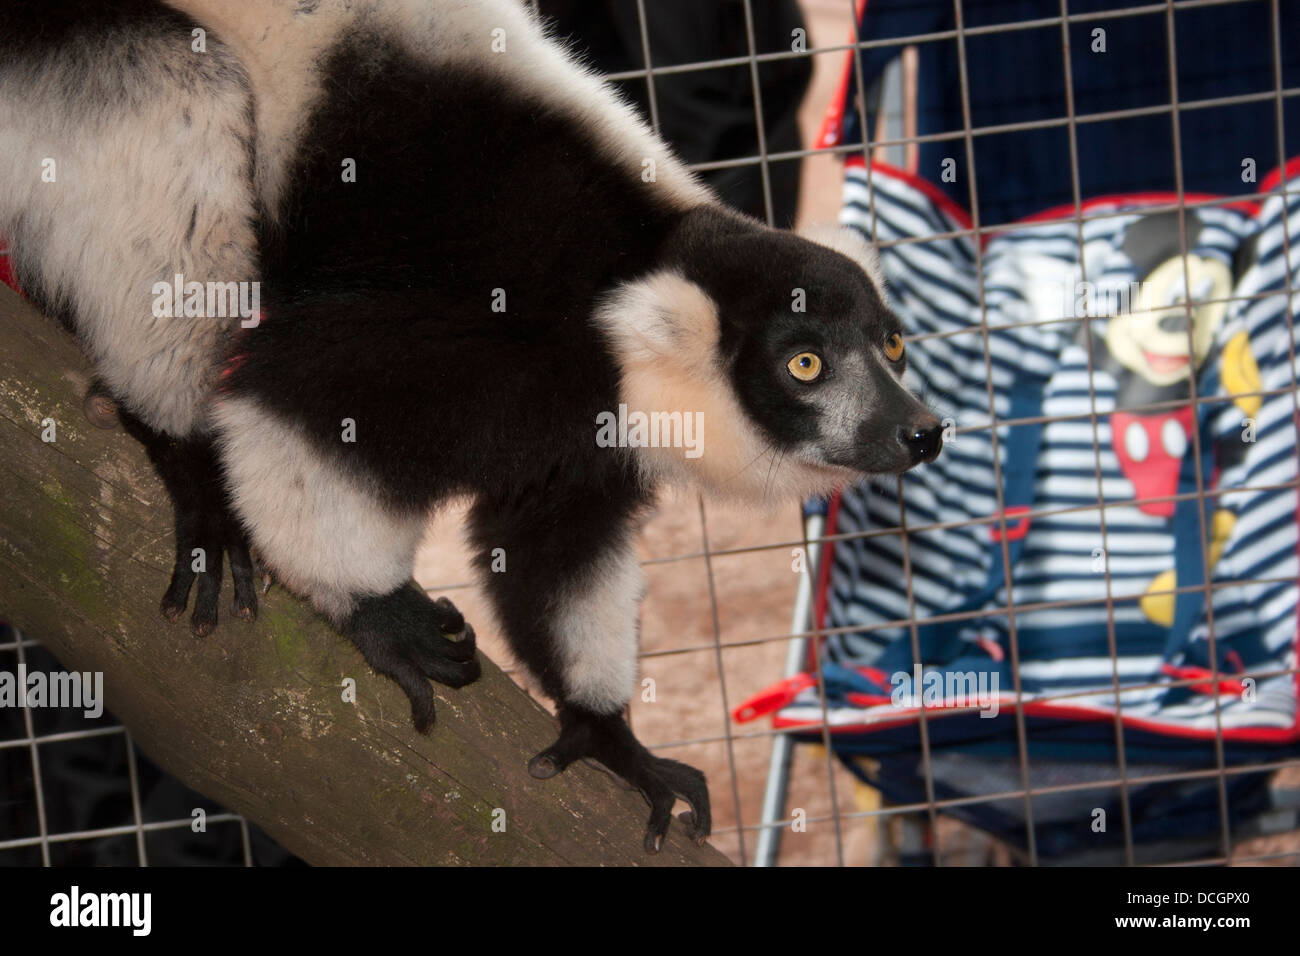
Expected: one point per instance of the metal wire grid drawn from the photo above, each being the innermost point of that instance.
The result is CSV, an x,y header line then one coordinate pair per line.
x,y
803,628
33,741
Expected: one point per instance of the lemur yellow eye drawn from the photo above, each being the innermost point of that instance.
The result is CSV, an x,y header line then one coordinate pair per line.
x,y
894,347
805,366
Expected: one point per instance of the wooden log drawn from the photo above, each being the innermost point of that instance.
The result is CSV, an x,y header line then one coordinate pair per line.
x,y
254,715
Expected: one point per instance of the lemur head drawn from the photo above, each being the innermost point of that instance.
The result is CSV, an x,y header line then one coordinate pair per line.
x,y
783,345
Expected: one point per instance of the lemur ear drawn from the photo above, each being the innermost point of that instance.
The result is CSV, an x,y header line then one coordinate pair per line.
x,y
661,316
851,243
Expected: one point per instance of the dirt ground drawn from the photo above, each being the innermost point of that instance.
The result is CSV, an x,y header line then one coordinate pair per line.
x,y
697,683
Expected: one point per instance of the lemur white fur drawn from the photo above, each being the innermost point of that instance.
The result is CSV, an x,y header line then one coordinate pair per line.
x,y
95,194
321,528
310,520
665,333
174,173
282,41
597,629
279,50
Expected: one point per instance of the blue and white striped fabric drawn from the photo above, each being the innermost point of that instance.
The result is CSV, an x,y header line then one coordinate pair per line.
x,y
1130,439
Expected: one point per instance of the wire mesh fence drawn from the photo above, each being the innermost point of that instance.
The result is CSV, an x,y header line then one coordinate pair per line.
x,y
1060,19
734,591
69,779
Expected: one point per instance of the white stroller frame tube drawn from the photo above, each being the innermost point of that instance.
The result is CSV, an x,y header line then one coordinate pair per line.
x,y
772,821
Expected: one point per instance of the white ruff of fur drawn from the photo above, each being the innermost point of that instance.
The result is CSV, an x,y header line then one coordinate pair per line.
x,y
664,332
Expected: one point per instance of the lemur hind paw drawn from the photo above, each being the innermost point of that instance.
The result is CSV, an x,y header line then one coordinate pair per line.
x,y
203,542
661,781
206,528
408,637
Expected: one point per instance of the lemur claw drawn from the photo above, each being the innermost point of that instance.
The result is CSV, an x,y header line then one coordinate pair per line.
x,y
661,781
216,546
665,780
687,820
412,639
456,633
206,529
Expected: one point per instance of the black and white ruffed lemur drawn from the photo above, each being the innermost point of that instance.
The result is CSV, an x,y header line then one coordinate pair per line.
x,y
391,172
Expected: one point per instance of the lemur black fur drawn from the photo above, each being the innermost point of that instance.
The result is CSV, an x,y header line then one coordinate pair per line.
x,y
516,256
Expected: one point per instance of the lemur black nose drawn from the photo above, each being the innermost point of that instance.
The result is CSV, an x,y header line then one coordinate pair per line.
x,y
923,440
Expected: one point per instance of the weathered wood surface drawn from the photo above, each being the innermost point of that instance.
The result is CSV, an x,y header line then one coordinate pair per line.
x,y
254,716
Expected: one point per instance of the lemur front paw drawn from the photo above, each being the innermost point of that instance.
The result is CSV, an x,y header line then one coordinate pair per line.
x,y
608,739
412,639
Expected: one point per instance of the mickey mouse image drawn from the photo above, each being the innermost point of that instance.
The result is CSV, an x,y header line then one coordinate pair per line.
x,y
1150,354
